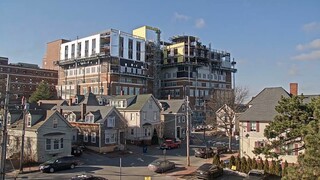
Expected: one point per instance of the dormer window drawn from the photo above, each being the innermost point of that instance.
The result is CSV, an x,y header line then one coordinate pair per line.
x,y
29,118
72,117
76,101
183,108
100,102
55,123
89,118
8,119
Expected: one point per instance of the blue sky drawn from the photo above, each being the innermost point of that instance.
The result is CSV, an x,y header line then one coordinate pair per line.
x,y
274,42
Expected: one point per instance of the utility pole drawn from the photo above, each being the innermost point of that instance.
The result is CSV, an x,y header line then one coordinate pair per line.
x,y
4,134
25,107
188,133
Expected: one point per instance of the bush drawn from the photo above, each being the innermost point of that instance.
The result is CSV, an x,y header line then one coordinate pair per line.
x,y
285,167
216,160
254,164
272,168
232,161
266,166
260,164
278,169
243,167
238,163
222,164
249,165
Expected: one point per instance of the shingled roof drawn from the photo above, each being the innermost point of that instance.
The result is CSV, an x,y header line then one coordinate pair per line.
x,y
263,105
171,106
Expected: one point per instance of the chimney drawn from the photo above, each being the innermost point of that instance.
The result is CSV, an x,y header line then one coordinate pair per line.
x,y
169,97
70,102
83,110
294,89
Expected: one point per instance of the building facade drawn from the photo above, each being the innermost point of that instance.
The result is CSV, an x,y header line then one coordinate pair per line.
x,y
191,69
110,63
24,79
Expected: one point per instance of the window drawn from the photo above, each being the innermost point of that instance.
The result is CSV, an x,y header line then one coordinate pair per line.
x,y
183,119
55,123
133,116
61,143
183,108
56,144
66,52
89,118
93,46
130,46
155,115
132,131
72,117
111,121
144,116
8,119
253,126
138,54
110,137
29,120
48,144
93,137
79,50
86,48
72,50
178,119
85,136
147,132
121,47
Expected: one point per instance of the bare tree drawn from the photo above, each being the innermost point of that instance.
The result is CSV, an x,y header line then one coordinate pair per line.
x,y
226,104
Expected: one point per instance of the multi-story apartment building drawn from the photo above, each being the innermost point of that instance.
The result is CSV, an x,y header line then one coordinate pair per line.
x,y
24,79
110,63
191,69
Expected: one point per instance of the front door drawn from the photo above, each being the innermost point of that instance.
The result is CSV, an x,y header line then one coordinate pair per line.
x,y
178,132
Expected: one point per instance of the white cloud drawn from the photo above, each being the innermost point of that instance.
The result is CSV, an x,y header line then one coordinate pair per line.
x,y
315,44
293,71
200,23
310,27
180,17
313,55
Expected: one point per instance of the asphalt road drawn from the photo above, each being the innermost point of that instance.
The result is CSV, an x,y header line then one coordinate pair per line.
x,y
133,166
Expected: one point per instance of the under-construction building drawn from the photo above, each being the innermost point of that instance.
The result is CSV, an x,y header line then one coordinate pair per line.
x,y
189,68
108,63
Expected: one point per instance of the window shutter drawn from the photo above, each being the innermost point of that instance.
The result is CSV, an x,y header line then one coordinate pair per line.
x,y
248,126
257,126
296,146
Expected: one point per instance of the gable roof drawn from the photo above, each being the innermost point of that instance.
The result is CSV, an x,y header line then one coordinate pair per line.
x,y
41,116
171,106
90,100
263,105
140,101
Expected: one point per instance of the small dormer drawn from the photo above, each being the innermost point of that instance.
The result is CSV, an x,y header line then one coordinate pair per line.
x,y
8,118
28,120
71,117
76,100
89,118
100,102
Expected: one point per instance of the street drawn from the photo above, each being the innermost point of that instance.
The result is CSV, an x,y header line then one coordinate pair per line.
x,y
133,165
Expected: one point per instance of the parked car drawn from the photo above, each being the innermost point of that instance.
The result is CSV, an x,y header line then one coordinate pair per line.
x,y
59,163
219,148
170,144
209,171
204,152
161,166
76,150
256,174
87,177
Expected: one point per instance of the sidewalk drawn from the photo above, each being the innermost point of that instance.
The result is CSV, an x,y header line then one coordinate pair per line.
x,y
15,173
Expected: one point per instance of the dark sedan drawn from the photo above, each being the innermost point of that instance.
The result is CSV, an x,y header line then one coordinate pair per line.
x,y
204,152
161,166
60,163
209,171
